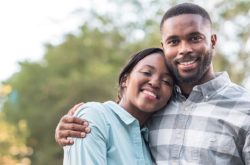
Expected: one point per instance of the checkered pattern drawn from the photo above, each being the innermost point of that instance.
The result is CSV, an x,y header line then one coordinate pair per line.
x,y
211,127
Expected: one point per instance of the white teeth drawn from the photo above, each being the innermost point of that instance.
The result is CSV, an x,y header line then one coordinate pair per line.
x,y
149,93
187,63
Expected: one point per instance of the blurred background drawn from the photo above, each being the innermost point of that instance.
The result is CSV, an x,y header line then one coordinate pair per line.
x,y
58,53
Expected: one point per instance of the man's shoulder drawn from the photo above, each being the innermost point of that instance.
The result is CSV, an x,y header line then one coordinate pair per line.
x,y
237,90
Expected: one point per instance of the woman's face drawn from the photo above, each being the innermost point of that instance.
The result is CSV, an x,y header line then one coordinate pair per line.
x,y
148,87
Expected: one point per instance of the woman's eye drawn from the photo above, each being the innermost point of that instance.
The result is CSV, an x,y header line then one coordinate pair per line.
x,y
167,82
146,73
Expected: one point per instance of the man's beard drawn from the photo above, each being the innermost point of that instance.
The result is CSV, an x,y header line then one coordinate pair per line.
x,y
204,65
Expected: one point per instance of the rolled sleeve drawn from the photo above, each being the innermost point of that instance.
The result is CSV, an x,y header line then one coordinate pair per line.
x,y
246,149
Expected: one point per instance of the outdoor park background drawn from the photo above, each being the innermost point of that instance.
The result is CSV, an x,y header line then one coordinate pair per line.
x,y
84,66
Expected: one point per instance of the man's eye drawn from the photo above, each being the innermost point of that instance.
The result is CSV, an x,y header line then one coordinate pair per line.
x,y
195,38
173,42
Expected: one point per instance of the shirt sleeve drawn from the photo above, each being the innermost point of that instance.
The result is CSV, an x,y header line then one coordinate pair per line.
x,y
93,148
246,149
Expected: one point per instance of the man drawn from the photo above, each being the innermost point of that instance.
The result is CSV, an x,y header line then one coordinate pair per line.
x,y
208,119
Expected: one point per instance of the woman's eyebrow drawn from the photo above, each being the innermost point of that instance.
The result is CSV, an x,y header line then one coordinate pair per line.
x,y
148,65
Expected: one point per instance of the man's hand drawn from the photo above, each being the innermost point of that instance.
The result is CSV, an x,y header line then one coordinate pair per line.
x,y
70,126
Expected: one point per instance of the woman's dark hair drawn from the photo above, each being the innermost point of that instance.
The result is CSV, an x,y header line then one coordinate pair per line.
x,y
133,60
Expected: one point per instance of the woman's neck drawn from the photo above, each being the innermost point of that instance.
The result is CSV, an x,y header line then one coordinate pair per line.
x,y
141,116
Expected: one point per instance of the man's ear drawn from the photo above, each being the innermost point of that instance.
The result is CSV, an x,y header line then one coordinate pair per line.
x,y
213,40
162,45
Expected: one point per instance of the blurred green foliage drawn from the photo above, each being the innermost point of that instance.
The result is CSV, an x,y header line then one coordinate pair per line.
x,y
13,149
85,67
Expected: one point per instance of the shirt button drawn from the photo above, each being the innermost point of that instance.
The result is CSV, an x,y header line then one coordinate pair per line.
x,y
212,139
175,162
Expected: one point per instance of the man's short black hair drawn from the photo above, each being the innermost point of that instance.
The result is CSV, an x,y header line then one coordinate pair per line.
x,y
185,8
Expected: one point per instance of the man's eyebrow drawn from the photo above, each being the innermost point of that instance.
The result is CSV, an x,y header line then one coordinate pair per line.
x,y
195,33
171,37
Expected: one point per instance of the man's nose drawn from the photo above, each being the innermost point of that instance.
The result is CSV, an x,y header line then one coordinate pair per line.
x,y
185,48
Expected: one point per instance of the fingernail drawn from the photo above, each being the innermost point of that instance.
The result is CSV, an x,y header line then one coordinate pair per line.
x,y
83,134
85,123
87,130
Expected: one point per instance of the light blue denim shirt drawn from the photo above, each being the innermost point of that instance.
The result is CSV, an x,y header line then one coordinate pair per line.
x,y
115,138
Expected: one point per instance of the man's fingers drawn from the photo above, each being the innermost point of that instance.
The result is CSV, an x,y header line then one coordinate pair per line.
x,y
73,127
68,133
87,130
64,142
72,119
73,109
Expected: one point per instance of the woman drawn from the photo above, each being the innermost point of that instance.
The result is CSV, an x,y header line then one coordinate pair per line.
x,y
118,132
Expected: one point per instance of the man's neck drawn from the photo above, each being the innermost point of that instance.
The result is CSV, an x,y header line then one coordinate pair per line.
x,y
186,88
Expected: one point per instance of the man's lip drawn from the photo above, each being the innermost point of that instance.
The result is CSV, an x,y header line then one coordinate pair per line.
x,y
186,61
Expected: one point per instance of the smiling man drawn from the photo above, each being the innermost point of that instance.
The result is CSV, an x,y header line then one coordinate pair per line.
x,y
207,121
188,44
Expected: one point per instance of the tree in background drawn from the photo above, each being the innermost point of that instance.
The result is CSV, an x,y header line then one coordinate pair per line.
x,y
12,143
84,67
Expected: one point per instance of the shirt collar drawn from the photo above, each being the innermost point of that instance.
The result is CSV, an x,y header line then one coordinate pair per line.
x,y
207,89
126,117
145,133
220,81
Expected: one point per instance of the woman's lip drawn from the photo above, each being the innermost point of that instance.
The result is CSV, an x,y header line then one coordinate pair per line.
x,y
150,94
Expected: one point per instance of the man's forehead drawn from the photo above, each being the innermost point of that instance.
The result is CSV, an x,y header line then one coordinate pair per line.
x,y
184,22
184,18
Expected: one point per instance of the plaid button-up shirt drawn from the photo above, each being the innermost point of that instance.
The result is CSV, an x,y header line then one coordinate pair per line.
x,y
210,127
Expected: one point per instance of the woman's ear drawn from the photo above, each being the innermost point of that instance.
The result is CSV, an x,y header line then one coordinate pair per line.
x,y
124,84
124,81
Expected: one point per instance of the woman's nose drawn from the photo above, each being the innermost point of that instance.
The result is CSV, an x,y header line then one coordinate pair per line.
x,y
155,82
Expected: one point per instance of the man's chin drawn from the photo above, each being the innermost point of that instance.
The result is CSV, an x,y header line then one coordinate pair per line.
x,y
187,79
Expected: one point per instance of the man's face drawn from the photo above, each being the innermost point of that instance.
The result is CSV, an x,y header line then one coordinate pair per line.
x,y
188,46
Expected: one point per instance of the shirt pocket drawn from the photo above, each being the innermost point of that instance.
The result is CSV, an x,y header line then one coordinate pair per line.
x,y
220,143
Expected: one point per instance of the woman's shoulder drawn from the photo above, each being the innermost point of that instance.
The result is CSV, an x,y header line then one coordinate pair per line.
x,y
94,108
95,111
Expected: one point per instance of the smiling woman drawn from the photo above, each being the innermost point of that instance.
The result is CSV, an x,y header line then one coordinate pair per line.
x,y
142,86
145,86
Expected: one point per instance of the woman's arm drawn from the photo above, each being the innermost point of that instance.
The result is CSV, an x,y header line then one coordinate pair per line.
x,y
91,150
